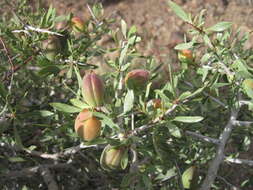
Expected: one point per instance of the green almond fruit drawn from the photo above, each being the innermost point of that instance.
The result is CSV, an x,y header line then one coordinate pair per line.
x,y
111,157
137,79
93,90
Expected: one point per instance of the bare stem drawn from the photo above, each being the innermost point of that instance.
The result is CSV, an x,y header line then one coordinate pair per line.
x,y
215,164
48,178
203,138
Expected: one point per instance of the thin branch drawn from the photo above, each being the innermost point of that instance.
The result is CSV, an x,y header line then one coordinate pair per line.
x,y
242,123
210,96
215,164
48,178
228,183
92,14
29,172
28,28
56,156
203,138
8,55
156,120
240,161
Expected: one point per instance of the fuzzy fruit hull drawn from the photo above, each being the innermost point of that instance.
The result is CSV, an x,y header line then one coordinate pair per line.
x,y
77,24
137,79
91,130
81,118
186,56
93,90
157,103
111,157
51,47
87,126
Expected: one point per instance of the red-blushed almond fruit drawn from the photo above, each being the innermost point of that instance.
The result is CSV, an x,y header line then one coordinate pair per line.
x,y
137,79
77,24
93,90
157,103
87,126
186,56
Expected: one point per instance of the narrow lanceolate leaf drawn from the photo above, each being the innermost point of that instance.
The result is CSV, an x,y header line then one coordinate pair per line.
x,y
184,46
188,119
187,177
65,108
78,103
221,26
179,11
124,28
129,101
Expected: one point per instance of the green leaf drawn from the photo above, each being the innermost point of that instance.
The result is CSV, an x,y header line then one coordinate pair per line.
x,y
162,95
65,108
129,101
124,160
132,31
174,130
123,28
183,46
123,54
248,87
18,140
3,91
207,41
187,177
16,159
219,27
106,120
45,113
188,119
185,95
179,12
48,70
78,103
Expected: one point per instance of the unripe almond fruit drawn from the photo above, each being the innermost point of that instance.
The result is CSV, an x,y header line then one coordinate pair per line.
x,y
157,103
248,87
111,157
137,79
93,90
77,24
51,47
87,126
186,56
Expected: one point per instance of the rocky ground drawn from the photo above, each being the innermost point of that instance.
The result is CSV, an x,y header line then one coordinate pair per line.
x,y
157,24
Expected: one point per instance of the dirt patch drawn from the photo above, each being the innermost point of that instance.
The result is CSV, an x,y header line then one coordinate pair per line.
x,y
158,26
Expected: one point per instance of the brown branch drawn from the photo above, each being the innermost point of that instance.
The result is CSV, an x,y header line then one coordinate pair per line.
x,y
240,161
203,138
48,178
215,164
8,55
29,172
156,120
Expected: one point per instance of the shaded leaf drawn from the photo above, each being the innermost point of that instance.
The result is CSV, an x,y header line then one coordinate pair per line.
x,y
188,119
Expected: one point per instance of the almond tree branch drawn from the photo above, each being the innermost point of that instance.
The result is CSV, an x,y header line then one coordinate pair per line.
x,y
56,156
240,161
29,172
203,138
215,164
156,120
242,123
48,178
